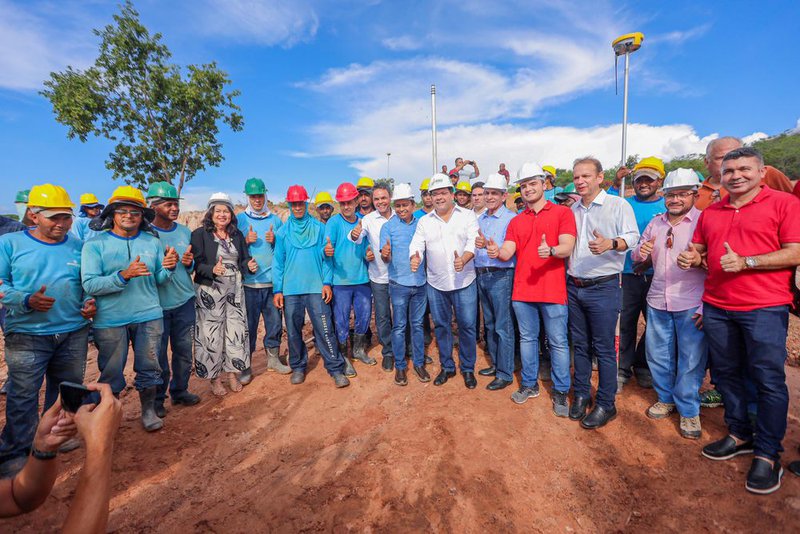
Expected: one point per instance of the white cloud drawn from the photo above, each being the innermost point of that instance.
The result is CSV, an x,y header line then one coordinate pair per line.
x,y
195,198
679,36
266,22
402,42
753,137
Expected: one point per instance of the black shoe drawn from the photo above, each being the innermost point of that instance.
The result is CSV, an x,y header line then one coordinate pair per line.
x,y
160,410
185,398
726,448
763,478
422,373
388,364
443,376
428,360
489,371
598,417
400,377
298,376
645,380
498,383
794,467
560,406
469,380
579,406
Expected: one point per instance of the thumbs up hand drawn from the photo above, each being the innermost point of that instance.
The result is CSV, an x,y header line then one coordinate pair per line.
x,y
187,257
458,262
544,249
269,237
492,250
136,268
252,265
219,269
370,255
599,244
89,309
646,248
415,261
480,241
731,262
355,233
329,250
689,258
251,236
39,301
170,260
386,252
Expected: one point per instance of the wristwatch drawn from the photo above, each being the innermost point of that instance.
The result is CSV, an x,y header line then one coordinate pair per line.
x,y
42,455
750,262
552,251
614,244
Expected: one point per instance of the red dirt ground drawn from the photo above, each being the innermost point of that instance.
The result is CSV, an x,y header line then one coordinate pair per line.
x,y
380,458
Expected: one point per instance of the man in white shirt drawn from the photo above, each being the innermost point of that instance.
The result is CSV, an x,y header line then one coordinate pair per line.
x,y
606,228
445,238
369,228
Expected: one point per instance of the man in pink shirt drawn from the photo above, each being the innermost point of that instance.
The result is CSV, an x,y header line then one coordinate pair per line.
x,y
676,346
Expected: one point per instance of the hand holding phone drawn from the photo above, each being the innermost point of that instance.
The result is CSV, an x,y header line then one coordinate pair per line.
x,y
73,396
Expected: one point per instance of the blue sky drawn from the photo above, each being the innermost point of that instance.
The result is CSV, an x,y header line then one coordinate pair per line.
x,y
328,87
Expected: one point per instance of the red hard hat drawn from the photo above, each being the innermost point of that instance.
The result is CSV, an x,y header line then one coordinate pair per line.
x,y
345,192
296,193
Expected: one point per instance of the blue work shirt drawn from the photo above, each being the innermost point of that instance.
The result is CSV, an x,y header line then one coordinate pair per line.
x,y
644,213
27,264
80,228
399,234
420,213
181,289
494,227
301,270
550,194
349,262
261,251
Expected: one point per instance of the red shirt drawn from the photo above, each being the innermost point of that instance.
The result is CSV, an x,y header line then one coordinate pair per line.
x,y
540,279
796,189
759,227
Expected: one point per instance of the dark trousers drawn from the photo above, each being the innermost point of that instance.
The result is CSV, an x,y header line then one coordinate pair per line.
x,y
383,316
259,304
593,313
295,308
751,344
634,303
179,333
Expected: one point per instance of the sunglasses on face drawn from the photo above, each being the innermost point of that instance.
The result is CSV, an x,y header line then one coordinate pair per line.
x,y
131,213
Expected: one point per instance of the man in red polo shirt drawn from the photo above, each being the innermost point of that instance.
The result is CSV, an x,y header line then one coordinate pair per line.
x,y
542,236
752,242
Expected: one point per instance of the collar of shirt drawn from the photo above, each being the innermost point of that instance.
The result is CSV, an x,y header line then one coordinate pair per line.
x,y
765,192
690,216
547,206
599,200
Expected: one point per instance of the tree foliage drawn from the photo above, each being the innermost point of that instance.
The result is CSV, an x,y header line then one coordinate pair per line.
x,y
164,124
782,152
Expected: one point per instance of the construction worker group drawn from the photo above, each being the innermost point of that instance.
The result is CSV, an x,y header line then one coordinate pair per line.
x,y
525,267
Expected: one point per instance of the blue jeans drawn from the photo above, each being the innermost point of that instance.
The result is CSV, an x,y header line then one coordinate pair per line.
x,y
409,304
751,344
112,354
324,338
554,317
383,316
464,303
179,333
31,358
258,301
359,299
494,291
676,353
593,313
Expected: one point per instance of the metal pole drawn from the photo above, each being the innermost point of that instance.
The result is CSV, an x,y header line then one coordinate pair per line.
x,y
433,128
388,154
624,123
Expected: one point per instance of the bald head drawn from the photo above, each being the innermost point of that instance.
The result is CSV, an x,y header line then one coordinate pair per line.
x,y
715,151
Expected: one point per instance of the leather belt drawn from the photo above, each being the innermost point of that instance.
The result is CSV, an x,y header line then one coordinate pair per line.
x,y
484,270
589,282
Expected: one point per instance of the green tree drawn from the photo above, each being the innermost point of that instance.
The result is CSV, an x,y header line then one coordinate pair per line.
x,y
782,152
386,182
690,161
164,124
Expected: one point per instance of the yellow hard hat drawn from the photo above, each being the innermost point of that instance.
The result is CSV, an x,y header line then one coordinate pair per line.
x,y
49,196
652,163
516,195
550,169
464,186
129,195
365,183
323,197
424,185
87,199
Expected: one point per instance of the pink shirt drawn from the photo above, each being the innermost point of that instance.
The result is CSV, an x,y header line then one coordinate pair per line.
x,y
672,289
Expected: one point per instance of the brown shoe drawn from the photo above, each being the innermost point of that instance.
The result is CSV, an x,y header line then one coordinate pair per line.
x,y
690,427
660,410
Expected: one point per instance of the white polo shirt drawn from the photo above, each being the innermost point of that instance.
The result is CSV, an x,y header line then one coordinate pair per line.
x,y
371,225
437,241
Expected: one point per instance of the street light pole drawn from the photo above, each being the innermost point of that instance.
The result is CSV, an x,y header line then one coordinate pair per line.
x,y
625,45
433,128
388,155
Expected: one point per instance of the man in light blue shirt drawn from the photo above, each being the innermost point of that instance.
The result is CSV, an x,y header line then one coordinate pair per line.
x,y
495,281
606,229
177,300
259,226
46,331
121,268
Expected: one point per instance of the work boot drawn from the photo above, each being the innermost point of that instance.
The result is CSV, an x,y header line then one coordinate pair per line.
x,y
161,411
360,350
274,362
298,377
349,370
150,421
340,380
388,363
185,398
245,378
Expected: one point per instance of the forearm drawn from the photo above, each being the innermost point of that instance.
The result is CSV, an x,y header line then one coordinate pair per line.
x,y
779,259
89,510
29,488
467,257
14,300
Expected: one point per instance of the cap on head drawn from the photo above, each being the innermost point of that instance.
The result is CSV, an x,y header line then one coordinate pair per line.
x,y
49,200
549,169
424,185
365,183
322,198
496,181
530,170
650,166
345,192
22,196
681,179
464,187
440,181
127,194
255,186
161,191
89,200
220,198
402,191
296,193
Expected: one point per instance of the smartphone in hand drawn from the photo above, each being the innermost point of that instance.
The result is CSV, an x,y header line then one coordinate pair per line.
x,y
73,396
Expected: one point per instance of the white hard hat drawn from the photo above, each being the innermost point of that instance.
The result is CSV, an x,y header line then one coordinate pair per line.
x,y
220,198
402,191
529,169
496,181
440,181
681,178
